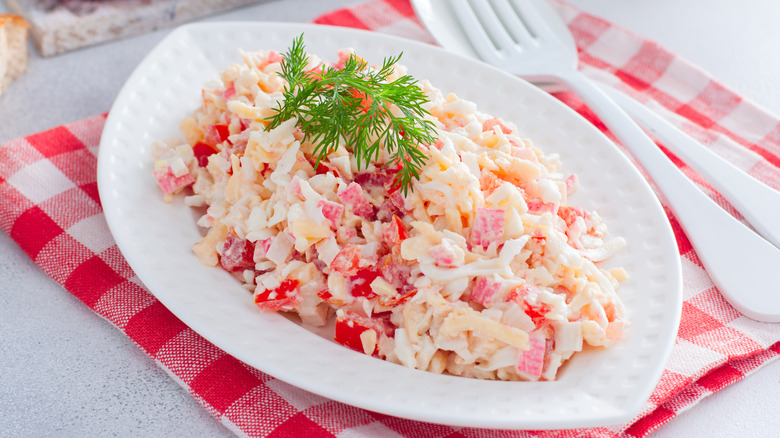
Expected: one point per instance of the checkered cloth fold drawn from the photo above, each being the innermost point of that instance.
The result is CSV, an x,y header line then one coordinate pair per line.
x,y
49,205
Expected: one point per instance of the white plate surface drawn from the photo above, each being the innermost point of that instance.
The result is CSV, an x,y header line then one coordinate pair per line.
x,y
596,388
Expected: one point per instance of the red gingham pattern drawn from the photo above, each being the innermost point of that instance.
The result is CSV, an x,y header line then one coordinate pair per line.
x,y
49,205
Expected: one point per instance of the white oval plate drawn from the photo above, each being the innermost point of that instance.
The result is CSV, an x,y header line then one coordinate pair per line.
x,y
596,388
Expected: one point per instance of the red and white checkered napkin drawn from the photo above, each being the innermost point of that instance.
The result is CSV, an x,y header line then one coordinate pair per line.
x,y
49,205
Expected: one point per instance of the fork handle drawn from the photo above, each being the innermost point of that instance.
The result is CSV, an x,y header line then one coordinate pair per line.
x,y
735,258
758,203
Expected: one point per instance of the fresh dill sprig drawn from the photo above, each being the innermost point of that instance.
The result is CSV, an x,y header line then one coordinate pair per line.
x,y
359,106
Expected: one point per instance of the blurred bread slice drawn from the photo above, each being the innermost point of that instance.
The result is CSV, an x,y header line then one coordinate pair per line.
x,y
13,48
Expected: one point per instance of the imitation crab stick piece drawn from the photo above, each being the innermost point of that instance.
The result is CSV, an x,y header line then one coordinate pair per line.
x,y
229,92
295,186
446,255
353,196
488,227
347,260
332,212
395,232
237,254
170,183
570,213
537,206
261,249
484,290
489,124
531,361
274,56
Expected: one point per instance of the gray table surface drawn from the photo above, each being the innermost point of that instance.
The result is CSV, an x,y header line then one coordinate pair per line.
x,y
66,372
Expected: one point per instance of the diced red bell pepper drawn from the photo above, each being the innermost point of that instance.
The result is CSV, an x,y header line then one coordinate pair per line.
x,y
323,167
350,325
325,295
202,152
285,297
237,253
359,285
348,333
393,184
216,134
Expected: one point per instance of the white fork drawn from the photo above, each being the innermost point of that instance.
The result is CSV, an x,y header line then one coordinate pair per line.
x,y
514,36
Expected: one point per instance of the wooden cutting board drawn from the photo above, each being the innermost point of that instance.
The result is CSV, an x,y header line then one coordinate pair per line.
x,y
61,25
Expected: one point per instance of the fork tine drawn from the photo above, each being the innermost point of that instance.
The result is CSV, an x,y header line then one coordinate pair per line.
x,y
526,12
493,25
475,32
514,24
